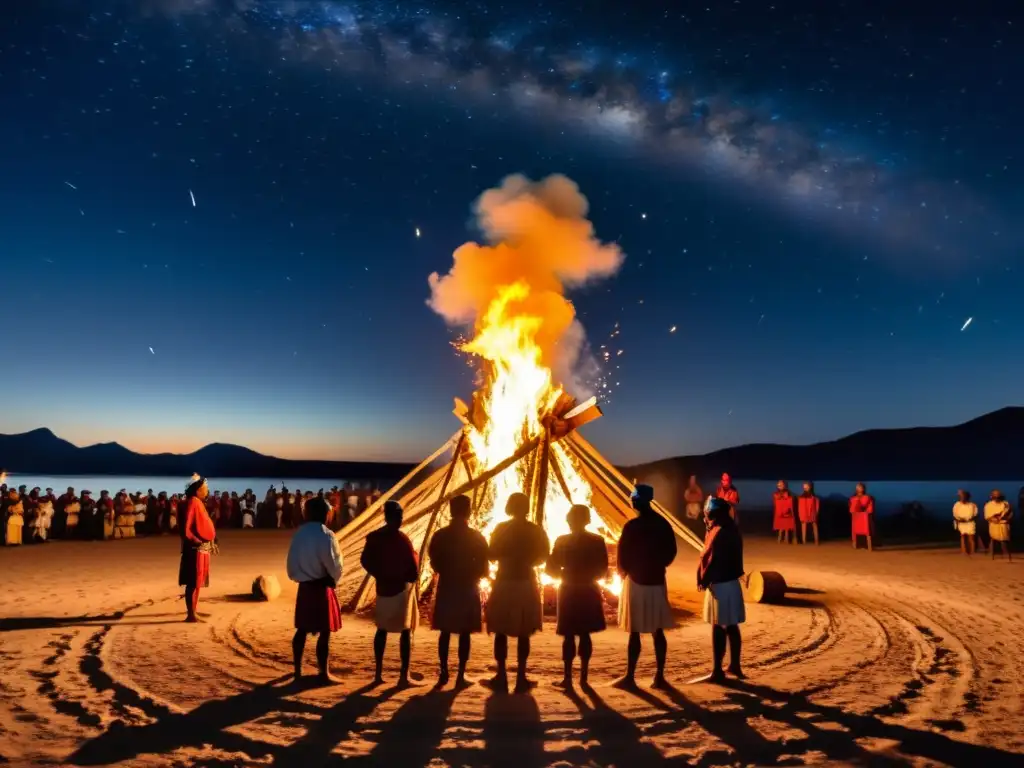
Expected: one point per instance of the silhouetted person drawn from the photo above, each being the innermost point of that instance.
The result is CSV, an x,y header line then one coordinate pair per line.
x,y
458,555
514,607
718,573
197,536
647,548
389,558
314,561
579,559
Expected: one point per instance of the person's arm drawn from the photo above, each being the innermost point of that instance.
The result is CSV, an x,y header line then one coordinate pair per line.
x,y
413,573
543,548
367,559
331,558
623,554
554,565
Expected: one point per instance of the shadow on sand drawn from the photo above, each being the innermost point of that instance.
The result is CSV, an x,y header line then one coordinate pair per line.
x,y
515,736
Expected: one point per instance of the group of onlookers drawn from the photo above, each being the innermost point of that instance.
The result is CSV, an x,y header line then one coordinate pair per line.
x,y
38,516
997,513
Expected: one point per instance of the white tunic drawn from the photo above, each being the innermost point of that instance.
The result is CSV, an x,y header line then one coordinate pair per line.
x,y
964,515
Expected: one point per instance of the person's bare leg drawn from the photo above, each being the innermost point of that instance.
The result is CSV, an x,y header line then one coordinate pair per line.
x,y
405,653
191,600
868,537
854,537
323,652
568,655
523,683
500,680
732,633
1009,557
586,651
380,642
632,657
464,646
444,640
803,533
298,647
816,542
660,657
718,643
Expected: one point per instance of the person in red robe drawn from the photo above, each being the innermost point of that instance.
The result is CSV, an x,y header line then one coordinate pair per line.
x,y
808,509
727,492
785,513
458,556
388,557
198,535
862,515
579,559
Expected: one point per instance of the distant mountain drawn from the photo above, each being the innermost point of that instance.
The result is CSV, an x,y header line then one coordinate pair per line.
x,y
986,448
40,452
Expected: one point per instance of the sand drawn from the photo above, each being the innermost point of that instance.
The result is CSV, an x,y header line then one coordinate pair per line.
x,y
910,656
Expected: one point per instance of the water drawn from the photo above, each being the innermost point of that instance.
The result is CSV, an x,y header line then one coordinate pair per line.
x,y
936,497
132,484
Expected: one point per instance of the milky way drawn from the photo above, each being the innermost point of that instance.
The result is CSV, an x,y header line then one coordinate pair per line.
x,y
657,105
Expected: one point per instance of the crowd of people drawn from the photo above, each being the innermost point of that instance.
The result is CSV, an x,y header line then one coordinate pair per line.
x,y
805,509
36,516
460,558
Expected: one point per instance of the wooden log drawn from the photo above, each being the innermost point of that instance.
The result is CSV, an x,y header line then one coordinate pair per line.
x,y
763,587
456,454
544,462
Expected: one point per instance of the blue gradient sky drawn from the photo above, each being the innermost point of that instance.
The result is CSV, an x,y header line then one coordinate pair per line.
x,y
818,225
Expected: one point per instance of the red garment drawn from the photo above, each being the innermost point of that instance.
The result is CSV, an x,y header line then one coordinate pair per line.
x,y
317,608
862,513
808,508
388,556
194,569
198,528
784,518
731,495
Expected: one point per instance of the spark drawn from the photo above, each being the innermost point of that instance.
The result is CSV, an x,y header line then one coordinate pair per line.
x,y
192,195
643,215
417,231
967,323
71,185
151,351
672,329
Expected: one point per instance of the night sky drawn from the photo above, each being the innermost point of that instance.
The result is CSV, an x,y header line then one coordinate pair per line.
x,y
815,196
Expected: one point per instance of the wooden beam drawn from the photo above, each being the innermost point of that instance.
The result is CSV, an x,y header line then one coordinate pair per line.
x,y
544,463
361,521
556,470
456,454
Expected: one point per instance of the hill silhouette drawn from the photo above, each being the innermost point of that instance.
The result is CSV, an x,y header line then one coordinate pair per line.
x,y
985,448
40,452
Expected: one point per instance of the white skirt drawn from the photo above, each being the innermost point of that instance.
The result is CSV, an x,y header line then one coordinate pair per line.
x,y
644,608
398,612
966,527
723,604
247,521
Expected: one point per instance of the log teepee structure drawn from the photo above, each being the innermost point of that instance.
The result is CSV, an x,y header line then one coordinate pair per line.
x,y
425,492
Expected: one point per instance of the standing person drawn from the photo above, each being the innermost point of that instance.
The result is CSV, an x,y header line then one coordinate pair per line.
x,y
314,561
515,608
579,559
198,534
14,519
718,574
297,509
458,555
87,517
389,558
71,509
245,505
809,509
693,496
172,512
998,514
279,506
43,519
862,515
647,548
785,513
965,516
728,492
62,513
105,516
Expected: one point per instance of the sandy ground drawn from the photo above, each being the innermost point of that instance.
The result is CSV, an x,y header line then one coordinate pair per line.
x,y
898,657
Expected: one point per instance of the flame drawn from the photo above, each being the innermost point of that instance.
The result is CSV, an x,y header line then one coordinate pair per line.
x,y
518,392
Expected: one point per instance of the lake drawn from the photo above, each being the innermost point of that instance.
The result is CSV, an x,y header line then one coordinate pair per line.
x,y
937,497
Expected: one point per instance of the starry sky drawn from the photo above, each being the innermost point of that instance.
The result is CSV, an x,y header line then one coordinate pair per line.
x,y
218,217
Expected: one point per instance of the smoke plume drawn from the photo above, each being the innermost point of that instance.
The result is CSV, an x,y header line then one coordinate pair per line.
x,y
536,233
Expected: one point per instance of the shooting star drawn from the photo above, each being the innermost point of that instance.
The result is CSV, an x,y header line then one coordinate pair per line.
x,y
969,321
151,351
71,185
190,194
